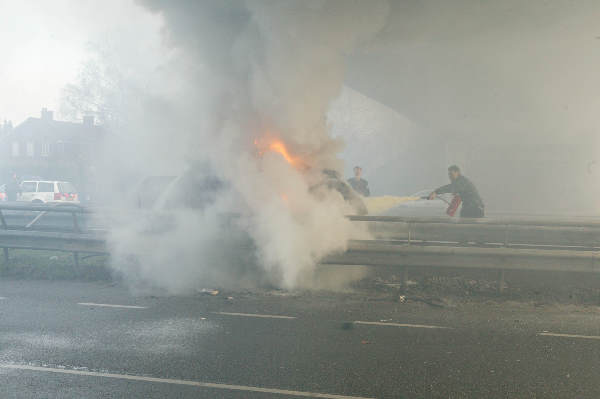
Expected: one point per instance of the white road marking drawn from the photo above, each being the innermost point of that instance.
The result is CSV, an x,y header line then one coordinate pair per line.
x,y
2,297
549,334
180,382
266,316
377,323
106,305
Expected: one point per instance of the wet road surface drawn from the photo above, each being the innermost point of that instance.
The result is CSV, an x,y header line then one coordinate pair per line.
x,y
98,340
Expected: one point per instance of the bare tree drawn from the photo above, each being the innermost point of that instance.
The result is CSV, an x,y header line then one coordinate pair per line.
x,y
100,90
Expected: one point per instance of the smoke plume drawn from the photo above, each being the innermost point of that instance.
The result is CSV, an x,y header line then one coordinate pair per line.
x,y
239,108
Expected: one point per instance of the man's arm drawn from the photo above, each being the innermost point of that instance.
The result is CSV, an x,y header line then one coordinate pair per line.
x,y
367,191
448,188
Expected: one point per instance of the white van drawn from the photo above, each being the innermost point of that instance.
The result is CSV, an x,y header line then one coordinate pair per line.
x,y
39,191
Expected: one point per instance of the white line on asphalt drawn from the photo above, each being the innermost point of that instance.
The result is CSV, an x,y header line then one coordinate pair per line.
x,y
106,305
549,334
266,316
181,382
377,323
2,297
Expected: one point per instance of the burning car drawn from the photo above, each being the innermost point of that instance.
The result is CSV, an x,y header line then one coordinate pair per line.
x,y
199,186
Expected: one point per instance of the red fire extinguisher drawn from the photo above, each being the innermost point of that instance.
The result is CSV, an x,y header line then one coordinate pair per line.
x,y
453,205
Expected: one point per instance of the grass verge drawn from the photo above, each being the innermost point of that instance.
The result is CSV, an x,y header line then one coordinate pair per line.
x,y
52,265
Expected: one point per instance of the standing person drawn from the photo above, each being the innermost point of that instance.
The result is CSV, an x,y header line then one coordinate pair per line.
x,y
472,204
12,188
359,184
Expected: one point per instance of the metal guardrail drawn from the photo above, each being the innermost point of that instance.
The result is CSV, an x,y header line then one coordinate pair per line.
x,y
22,237
502,244
55,241
54,207
42,210
381,253
525,220
561,233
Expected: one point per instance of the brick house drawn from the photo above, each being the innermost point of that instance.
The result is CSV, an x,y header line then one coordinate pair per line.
x,y
50,149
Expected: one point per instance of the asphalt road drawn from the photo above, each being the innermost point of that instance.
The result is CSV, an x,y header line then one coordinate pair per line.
x,y
57,342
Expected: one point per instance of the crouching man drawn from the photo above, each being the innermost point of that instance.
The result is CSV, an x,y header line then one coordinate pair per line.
x,y
472,204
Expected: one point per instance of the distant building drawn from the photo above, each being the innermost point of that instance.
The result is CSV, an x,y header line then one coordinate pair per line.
x,y
50,149
5,128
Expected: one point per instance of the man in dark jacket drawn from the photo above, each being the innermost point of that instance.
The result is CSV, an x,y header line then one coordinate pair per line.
x,y
359,184
472,204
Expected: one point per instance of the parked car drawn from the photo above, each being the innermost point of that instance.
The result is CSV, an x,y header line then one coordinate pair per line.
x,y
422,206
42,191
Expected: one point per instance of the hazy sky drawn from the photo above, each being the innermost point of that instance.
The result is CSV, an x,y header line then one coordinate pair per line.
x,y
44,43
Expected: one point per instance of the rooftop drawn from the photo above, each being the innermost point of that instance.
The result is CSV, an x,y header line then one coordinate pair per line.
x,y
47,126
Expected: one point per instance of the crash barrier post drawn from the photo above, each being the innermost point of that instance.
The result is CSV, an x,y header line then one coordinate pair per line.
x,y
4,226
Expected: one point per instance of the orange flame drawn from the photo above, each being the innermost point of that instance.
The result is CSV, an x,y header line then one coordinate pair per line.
x,y
278,146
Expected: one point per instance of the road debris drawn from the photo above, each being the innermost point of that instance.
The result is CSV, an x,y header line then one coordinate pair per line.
x,y
208,291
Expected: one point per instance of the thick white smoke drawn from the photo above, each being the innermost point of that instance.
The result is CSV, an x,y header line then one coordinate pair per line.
x,y
242,76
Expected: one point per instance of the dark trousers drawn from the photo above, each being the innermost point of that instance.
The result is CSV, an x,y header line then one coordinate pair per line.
x,y
472,211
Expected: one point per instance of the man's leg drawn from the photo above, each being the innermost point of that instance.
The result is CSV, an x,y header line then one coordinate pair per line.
x,y
471,212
